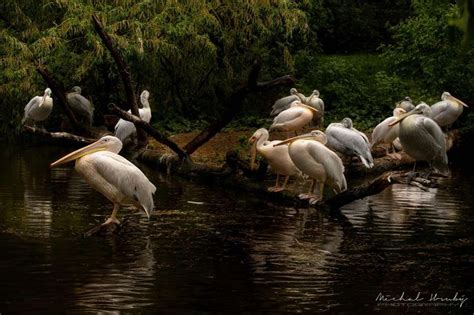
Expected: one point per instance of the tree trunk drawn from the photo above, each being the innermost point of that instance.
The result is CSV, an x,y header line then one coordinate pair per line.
x,y
124,73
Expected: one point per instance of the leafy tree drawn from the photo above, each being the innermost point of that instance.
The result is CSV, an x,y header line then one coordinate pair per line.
x,y
188,53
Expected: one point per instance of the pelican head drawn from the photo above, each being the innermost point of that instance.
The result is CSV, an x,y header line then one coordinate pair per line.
x,y
446,96
347,123
145,95
317,135
293,91
420,109
253,140
316,93
47,93
76,89
107,143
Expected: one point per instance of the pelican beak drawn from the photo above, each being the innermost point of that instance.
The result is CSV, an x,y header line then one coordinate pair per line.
x,y
42,100
403,116
309,107
253,151
456,100
290,140
91,148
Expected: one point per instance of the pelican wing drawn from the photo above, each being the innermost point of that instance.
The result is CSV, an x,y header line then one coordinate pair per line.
x,y
438,109
124,129
350,142
331,162
81,106
283,104
29,108
434,131
126,177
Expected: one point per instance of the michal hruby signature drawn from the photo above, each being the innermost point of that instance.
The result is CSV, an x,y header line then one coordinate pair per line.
x,y
420,297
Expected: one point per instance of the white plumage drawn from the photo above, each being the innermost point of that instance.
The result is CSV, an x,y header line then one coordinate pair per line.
x,y
112,175
39,107
126,129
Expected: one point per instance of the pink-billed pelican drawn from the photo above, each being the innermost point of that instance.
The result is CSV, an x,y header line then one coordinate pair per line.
x,y
406,104
422,138
293,118
112,175
125,129
39,107
310,155
277,157
285,102
80,106
349,141
383,133
447,110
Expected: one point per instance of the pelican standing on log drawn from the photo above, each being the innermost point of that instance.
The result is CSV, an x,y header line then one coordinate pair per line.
x,y
80,106
38,108
383,133
309,153
112,175
448,110
277,157
126,129
422,138
293,118
349,141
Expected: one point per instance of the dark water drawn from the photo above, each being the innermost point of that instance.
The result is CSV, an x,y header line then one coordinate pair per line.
x,y
233,253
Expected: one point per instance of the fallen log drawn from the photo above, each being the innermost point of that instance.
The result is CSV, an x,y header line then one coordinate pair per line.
x,y
59,137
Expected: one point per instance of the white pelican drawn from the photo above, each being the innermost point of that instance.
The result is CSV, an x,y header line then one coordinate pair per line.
x,y
112,175
39,107
80,106
315,101
349,141
383,133
285,102
448,110
277,157
309,153
422,138
406,104
293,118
125,129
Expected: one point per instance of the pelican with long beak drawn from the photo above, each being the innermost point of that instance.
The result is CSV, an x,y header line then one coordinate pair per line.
x,y
112,175
294,118
422,138
39,107
383,133
310,155
448,110
277,157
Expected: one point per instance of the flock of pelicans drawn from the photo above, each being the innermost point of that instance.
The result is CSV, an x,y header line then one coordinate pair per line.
x,y
415,129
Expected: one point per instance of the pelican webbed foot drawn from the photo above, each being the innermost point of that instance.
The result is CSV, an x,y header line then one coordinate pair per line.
x,y
395,156
111,220
275,189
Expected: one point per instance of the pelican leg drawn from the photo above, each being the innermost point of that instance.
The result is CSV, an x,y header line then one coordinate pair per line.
x,y
113,217
315,199
277,187
310,195
296,133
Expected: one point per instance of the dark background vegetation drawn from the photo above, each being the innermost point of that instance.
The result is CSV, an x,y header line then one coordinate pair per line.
x,y
362,56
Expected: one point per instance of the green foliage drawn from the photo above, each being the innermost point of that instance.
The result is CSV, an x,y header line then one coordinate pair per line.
x,y
189,54
353,86
428,51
